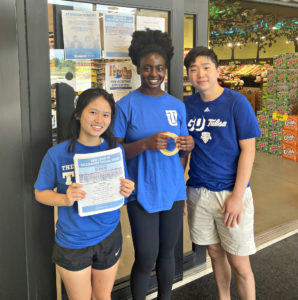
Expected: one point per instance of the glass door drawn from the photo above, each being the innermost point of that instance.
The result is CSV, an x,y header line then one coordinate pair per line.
x,y
193,254
74,68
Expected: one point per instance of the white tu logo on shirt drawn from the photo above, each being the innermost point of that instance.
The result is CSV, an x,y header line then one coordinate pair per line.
x,y
172,117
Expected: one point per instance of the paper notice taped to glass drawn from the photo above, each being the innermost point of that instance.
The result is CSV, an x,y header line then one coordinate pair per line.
x,y
100,174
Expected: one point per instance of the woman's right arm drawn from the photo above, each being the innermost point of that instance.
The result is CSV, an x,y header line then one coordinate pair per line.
x,y
51,198
157,141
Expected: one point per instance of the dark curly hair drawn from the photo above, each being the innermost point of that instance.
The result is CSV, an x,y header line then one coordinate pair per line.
x,y
150,41
73,130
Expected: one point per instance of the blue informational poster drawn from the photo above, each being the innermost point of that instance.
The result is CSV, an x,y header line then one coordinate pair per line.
x,y
81,34
118,30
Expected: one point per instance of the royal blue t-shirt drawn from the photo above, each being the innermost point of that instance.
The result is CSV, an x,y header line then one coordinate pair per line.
x,y
159,179
73,231
217,126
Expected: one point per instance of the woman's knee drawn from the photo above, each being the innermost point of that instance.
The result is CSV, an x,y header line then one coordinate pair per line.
x,y
166,254
144,260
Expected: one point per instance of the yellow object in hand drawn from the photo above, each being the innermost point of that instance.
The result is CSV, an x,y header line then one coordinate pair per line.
x,y
168,152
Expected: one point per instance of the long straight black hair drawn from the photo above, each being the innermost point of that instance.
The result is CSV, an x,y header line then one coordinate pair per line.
x,y
74,126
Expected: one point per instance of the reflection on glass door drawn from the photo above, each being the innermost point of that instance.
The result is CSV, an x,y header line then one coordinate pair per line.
x,y
189,23
193,254
189,37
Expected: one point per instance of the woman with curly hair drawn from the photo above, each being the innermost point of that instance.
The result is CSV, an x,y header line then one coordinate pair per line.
x,y
143,119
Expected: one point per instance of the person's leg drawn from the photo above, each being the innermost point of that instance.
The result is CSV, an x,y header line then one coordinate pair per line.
x,y
238,242
243,275
144,229
77,283
105,265
170,225
203,209
221,270
103,282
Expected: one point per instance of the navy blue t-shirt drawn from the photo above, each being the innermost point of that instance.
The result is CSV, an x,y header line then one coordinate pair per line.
x,y
217,126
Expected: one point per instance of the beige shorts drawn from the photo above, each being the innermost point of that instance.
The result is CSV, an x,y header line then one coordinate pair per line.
x,y
206,221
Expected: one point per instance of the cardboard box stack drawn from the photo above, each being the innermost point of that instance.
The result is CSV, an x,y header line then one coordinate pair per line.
x,y
284,82
290,138
280,97
271,139
262,141
274,136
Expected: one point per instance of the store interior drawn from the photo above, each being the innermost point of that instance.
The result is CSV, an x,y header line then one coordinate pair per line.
x,y
250,63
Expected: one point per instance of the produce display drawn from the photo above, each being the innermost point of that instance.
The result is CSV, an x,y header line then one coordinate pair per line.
x,y
246,70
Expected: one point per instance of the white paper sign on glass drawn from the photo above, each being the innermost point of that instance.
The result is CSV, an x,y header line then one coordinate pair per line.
x,y
152,23
100,175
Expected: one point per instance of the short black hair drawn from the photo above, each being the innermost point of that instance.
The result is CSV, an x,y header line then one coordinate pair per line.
x,y
150,41
199,51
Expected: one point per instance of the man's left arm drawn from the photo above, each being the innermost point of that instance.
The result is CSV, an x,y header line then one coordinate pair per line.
x,y
232,207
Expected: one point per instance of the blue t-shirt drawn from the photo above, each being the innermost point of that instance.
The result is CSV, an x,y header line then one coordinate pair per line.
x,y
159,179
73,231
217,126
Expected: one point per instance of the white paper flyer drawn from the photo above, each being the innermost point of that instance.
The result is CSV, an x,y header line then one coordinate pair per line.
x,y
100,175
152,23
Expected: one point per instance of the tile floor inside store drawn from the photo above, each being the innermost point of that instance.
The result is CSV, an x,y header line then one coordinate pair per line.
x,y
274,184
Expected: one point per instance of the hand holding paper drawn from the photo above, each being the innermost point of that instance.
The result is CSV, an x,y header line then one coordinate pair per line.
x,y
126,187
74,193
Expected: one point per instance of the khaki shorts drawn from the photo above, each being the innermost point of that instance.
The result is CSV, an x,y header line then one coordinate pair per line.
x,y
206,221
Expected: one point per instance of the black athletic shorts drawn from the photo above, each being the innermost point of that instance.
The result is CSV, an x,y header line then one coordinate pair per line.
x,y
100,256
